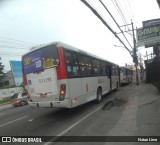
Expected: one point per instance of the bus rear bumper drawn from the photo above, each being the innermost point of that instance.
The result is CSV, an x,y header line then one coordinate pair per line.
x,y
52,104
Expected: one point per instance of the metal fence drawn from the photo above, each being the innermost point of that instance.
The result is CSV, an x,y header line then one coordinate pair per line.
x,y
153,72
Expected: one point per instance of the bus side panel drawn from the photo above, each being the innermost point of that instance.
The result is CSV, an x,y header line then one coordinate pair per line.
x,y
89,86
115,80
82,90
75,92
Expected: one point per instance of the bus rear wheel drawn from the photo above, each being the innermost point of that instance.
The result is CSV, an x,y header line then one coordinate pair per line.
x,y
99,95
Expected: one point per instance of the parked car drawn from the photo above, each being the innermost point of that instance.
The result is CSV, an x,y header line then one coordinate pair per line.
x,y
19,99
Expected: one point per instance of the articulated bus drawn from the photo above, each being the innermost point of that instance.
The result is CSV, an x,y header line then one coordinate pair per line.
x,y
59,75
126,75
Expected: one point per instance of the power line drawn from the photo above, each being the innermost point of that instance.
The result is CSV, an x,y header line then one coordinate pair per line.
x,y
131,12
96,13
121,10
115,21
123,19
14,47
17,40
10,55
13,43
127,9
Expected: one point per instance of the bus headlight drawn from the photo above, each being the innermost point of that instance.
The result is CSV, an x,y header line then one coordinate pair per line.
x,y
62,92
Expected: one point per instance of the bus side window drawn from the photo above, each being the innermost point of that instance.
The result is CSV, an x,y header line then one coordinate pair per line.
x,y
85,65
71,63
96,67
109,71
103,68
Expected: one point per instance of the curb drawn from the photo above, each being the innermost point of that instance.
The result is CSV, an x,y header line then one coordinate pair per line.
x,y
4,106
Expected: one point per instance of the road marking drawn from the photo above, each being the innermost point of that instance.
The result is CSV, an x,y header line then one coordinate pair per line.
x,y
13,121
76,123
2,114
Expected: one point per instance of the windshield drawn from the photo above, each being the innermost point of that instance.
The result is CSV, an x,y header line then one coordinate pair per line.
x,y
14,96
41,59
123,71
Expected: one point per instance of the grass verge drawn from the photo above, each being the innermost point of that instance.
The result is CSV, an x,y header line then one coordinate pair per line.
x,y
5,101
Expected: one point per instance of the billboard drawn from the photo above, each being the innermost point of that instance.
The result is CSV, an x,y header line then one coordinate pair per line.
x,y
151,22
149,35
16,67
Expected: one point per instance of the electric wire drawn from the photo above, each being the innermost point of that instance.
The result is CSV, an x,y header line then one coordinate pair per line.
x,y
16,40
10,55
104,22
131,12
119,12
115,22
98,12
127,8
13,43
14,47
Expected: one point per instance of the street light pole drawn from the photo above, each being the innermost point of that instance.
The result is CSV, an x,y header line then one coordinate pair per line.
x,y
135,55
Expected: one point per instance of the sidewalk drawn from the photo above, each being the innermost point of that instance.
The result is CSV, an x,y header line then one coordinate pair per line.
x,y
141,116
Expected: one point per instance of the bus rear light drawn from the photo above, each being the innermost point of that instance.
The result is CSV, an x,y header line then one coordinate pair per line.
x,y
62,92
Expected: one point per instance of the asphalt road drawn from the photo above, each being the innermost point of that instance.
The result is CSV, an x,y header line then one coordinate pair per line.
x,y
117,115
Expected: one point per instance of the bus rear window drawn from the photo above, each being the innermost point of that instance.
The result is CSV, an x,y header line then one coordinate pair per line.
x,y
41,59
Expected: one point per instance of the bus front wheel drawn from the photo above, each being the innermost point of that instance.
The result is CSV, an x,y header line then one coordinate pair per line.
x,y
99,95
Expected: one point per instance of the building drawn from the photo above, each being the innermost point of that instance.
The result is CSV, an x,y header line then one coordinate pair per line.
x,y
13,77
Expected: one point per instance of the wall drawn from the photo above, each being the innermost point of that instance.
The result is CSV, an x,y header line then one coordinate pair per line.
x,y
4,93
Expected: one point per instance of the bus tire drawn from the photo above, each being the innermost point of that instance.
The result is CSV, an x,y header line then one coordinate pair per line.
x,y
99,95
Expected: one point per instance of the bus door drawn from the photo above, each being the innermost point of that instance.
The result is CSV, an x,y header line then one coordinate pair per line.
x,y
109,72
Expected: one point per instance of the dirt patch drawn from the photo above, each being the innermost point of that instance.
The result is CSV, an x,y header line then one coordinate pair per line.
x,y
108,105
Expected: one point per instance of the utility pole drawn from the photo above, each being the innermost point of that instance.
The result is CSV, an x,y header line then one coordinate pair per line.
x,y
147,55
135,60
134,55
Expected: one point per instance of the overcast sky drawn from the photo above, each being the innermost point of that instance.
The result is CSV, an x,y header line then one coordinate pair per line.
x,y
27,23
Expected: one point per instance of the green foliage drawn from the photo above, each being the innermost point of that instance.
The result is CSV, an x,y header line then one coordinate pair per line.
x,y
1,69
5,101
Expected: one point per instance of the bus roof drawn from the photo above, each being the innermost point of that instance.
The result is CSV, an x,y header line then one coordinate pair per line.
x,y
69,47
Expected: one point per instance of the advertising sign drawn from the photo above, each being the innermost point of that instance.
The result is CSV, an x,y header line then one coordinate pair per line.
x,y
16,67
33,62
151,23
148,35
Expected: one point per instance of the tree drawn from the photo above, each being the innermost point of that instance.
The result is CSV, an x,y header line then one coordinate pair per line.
x,y
1,69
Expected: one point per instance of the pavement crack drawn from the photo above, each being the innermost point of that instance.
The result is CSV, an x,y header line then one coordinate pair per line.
x,y
150,102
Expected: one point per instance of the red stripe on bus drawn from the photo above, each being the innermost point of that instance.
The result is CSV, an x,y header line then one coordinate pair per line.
x,y
61,69
24,80
87,88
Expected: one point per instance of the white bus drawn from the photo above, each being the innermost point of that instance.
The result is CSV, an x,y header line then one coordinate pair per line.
x,y
59,75
126,75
